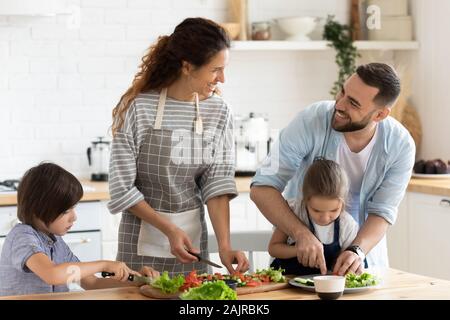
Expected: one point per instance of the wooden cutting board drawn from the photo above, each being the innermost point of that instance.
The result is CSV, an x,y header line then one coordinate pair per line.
x,y
158,294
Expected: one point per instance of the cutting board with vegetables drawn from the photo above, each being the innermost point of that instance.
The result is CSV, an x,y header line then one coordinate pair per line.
x,y
156,293
263,281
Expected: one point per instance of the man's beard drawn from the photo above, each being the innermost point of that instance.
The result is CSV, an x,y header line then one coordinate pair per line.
x,y
350,126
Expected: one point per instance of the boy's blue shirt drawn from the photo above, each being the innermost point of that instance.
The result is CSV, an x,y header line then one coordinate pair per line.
x,y
20,244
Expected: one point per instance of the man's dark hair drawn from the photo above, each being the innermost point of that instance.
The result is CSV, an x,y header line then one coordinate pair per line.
x,y
45,192
383,77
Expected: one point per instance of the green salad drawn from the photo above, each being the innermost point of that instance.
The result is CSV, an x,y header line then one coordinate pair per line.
x,y
363,280
168,285
351,280
210,290
274,275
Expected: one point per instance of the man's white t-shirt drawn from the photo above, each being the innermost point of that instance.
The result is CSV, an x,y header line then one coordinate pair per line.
x,y
354,165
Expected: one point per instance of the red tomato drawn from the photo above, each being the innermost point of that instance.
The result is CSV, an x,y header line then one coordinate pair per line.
x,y
252,284
218,275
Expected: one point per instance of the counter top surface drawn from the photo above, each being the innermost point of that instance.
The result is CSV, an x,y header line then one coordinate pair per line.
x,y
99,190
396,285
438,187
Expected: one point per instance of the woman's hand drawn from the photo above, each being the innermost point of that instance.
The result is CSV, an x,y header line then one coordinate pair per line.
x,y
149,272
228,257
179,244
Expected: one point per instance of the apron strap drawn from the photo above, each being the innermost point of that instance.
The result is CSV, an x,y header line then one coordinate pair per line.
x,y
160,111
198,120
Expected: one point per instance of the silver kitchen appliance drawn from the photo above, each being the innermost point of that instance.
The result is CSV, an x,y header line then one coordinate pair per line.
x,y
98,157
252,142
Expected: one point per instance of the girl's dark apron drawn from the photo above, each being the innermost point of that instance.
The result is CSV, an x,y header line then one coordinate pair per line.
x,y
331,252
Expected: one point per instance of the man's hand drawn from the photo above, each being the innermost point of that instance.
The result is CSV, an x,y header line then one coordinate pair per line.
x,y
310,251
348,262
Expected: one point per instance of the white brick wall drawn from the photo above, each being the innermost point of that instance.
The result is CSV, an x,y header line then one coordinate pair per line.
x,y
59,85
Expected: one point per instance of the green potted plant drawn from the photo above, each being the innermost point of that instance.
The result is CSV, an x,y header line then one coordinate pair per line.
x,y
340,39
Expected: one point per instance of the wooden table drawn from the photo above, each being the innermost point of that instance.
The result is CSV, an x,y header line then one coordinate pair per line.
x,y
397,285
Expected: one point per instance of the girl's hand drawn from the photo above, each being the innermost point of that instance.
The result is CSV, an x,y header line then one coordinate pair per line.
x,y
179,244
120,270
228,257
149,272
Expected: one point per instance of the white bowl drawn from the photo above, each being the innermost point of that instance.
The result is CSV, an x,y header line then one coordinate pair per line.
x,y
297,28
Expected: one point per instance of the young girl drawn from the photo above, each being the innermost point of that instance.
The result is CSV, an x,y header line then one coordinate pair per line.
x,y
322,209
34,258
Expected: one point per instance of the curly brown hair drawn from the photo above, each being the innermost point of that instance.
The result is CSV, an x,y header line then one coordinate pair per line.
x,y
195,40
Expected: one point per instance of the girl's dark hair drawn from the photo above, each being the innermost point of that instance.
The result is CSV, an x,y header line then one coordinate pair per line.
x,y
325,178
45,192
195,40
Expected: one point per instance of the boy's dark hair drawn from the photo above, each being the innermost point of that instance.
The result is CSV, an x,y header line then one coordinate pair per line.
x,y
46,191
383,77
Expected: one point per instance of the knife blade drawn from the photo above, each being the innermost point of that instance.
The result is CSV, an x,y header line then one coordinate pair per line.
x,y
204,260
131,277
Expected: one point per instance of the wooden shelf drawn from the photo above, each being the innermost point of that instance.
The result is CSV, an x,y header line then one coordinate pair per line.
x,y
320,45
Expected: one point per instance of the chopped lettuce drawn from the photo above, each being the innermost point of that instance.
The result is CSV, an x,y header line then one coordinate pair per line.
x,y
274,275
363,280
168,285
210,290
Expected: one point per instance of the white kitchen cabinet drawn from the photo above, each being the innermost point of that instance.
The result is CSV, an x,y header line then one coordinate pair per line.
x,y
429,245
110,232
85,237
244,216
419,242
398,238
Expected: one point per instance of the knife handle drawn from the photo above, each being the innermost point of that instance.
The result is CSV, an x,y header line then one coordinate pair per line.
x,y
112,274
199,257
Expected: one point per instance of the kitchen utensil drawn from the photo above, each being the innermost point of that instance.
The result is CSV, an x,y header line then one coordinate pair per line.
x,y
98,158
232,28
261,30
201,259
329,287
131,277
240,15
252,142
297,28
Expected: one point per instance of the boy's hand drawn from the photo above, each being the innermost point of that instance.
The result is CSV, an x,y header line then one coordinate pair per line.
x,y
119,269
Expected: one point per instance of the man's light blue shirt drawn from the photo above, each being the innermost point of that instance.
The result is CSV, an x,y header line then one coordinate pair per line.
x,y
310,135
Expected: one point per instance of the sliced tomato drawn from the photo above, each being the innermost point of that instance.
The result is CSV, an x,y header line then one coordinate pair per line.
x,y
218,276
252,284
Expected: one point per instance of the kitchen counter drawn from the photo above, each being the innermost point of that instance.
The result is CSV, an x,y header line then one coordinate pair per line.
x,y
397,285
99,190
437,187
94,191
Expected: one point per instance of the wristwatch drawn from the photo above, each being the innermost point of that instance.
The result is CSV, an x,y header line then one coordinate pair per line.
x,y
357,249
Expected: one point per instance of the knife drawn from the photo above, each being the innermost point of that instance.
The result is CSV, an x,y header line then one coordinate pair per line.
x,y
131,277
201,259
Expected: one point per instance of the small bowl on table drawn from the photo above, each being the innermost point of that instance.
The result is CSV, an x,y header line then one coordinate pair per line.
x,y
231,283
329,287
